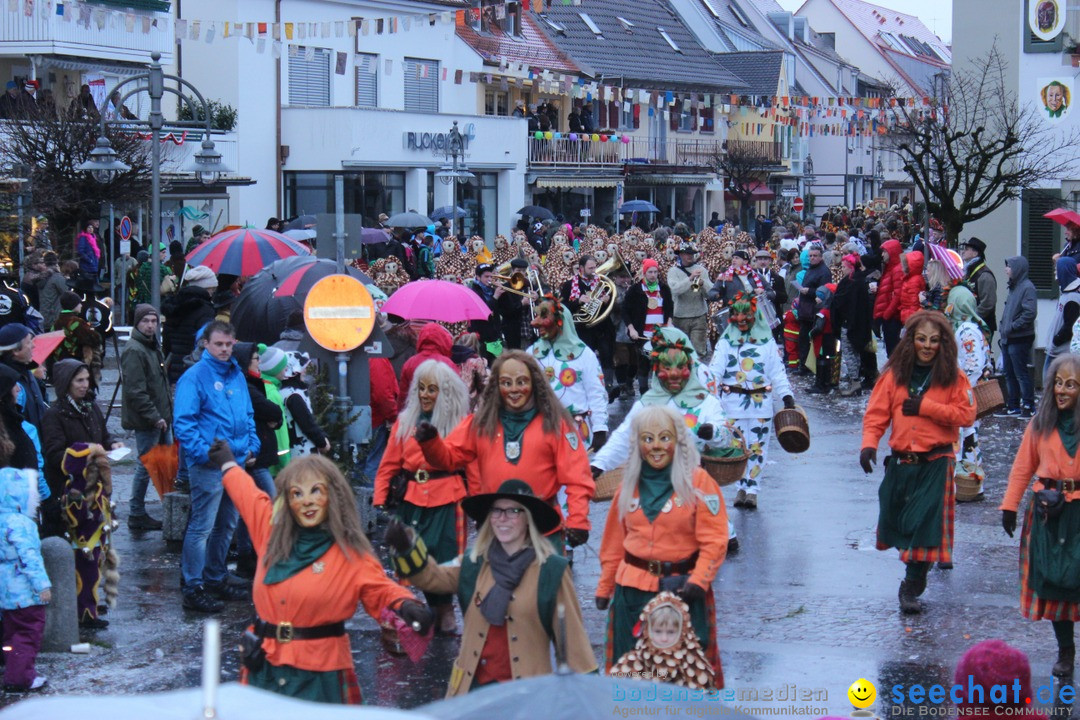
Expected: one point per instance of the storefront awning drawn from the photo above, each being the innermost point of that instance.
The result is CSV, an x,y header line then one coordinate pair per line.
x,y
669,179
576,182
759,191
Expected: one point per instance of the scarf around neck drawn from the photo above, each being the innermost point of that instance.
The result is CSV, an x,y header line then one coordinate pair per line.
x,y
1066,429
514,424
311,544
507,571
694,392
654,489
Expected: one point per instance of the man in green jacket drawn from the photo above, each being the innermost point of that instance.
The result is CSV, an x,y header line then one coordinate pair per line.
x,y
147,405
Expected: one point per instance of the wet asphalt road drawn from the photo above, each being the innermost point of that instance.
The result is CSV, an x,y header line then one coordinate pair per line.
x,y
805,607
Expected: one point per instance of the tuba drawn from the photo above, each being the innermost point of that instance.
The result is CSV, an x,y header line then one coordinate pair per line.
x,y
599,303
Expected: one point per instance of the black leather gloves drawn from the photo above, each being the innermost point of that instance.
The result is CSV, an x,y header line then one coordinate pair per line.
x,y
867,458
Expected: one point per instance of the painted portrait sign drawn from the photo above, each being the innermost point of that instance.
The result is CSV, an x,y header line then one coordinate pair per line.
x,y
1055,98
1046,18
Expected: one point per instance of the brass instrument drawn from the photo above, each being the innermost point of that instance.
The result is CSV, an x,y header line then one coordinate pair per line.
x,y
600,301
695,284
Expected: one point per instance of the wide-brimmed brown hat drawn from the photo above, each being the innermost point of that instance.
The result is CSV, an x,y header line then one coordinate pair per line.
x,y
546,518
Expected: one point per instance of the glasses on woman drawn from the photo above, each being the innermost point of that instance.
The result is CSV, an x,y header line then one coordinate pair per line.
x,y
497,512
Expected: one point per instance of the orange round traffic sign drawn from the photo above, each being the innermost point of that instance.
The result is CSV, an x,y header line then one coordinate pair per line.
x,y
339,313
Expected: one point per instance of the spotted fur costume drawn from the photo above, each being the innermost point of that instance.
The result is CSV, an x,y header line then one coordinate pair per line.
x,y
88,512
503,252
453,265
683,663
388,275
477,252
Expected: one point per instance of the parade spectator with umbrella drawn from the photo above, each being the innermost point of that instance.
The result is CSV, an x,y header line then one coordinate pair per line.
x,y
515,591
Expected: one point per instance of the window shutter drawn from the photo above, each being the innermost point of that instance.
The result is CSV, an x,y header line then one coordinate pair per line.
x,y
693,118
675,112
637,116
309,80
1033,43
1040,238
421,85
367,82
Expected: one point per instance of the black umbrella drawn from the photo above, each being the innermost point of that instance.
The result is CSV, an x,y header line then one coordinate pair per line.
x,y
258,314
535,211
447,211
409,220
301,222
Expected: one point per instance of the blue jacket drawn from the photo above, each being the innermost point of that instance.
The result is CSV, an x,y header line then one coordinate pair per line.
x,y
22,570
88,261
212,402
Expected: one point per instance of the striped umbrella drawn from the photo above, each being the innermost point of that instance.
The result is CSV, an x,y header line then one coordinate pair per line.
x,y
244,252
954,265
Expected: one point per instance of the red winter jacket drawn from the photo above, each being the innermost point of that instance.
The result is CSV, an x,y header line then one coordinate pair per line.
x,y
384,391
433,343
914,283
887,302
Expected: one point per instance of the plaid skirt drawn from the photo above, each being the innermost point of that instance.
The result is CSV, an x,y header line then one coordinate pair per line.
x,y
1032,606
942,552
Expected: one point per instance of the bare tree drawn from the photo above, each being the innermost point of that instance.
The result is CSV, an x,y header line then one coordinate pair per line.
x,y
49,152
742,164
977,145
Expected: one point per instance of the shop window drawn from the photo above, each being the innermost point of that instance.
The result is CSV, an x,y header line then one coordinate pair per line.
x,y
496,103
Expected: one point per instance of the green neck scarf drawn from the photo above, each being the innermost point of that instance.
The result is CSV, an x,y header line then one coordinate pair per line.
x,y
566,346
311,544
654,489
652,287
423,417
514,424
920,379
1066,427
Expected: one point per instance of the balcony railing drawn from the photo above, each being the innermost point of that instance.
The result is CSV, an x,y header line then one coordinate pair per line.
x,y
769,152
44,34
564,152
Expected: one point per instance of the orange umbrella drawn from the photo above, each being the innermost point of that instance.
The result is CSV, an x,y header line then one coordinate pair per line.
x,y
162,462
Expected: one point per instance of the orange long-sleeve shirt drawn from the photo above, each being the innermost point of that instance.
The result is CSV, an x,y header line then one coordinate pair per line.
x,y
1039,456
673,536
548,462
325,592
941,415
407,455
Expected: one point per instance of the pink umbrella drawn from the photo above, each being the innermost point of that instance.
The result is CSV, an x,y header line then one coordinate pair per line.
x,y
1064,216
436,300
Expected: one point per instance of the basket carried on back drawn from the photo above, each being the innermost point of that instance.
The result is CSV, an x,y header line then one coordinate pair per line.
x,y
727,470
792,429
607,484
988,397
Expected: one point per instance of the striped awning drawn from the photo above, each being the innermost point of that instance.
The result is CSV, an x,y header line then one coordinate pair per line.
x,y
576,182
670,179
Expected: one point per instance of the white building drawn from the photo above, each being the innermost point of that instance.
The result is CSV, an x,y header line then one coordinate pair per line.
x,y
369,93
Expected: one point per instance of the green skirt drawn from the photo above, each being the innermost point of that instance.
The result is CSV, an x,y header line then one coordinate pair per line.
x,y
439,528
1054,558
911,503
338,687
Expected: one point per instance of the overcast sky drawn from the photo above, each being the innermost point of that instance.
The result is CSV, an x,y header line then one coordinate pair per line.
x,y
935,14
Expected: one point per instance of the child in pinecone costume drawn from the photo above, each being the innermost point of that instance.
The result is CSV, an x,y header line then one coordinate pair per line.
x,y
667,649
87,508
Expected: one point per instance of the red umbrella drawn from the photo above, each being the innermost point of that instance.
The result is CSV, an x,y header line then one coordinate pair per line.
x,y
244,252
436,300
45,343
1064,216
297,282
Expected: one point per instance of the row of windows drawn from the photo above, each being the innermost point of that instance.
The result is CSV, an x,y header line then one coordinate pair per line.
x,y
310,72
617,115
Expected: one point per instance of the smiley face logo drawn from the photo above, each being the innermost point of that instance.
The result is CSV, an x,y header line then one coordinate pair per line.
x,y
862,693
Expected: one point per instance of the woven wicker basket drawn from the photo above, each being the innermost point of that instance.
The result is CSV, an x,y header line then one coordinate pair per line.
x,y
988,397
792,429
967,489
727,470
607,484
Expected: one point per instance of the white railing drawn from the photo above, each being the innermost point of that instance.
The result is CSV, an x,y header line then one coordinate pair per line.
x,y
46,34
564,152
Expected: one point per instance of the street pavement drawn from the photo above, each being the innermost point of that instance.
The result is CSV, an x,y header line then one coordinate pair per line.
x,y
806,607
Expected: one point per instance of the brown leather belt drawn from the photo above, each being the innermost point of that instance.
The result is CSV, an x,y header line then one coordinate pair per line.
x,y
422,476
662,568
1067,485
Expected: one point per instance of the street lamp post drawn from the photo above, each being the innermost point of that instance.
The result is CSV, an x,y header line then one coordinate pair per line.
x,y
808,177
104,164
454,171
879,178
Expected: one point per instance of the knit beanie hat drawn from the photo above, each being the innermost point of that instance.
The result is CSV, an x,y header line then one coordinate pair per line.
x,y
197,231
69,300
201,276
12,334
144,309
272,360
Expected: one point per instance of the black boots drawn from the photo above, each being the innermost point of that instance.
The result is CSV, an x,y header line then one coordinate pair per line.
x,y
822,384
909,602
1063,668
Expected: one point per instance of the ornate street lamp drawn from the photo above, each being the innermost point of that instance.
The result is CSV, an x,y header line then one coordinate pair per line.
x,y
454,171
104,165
